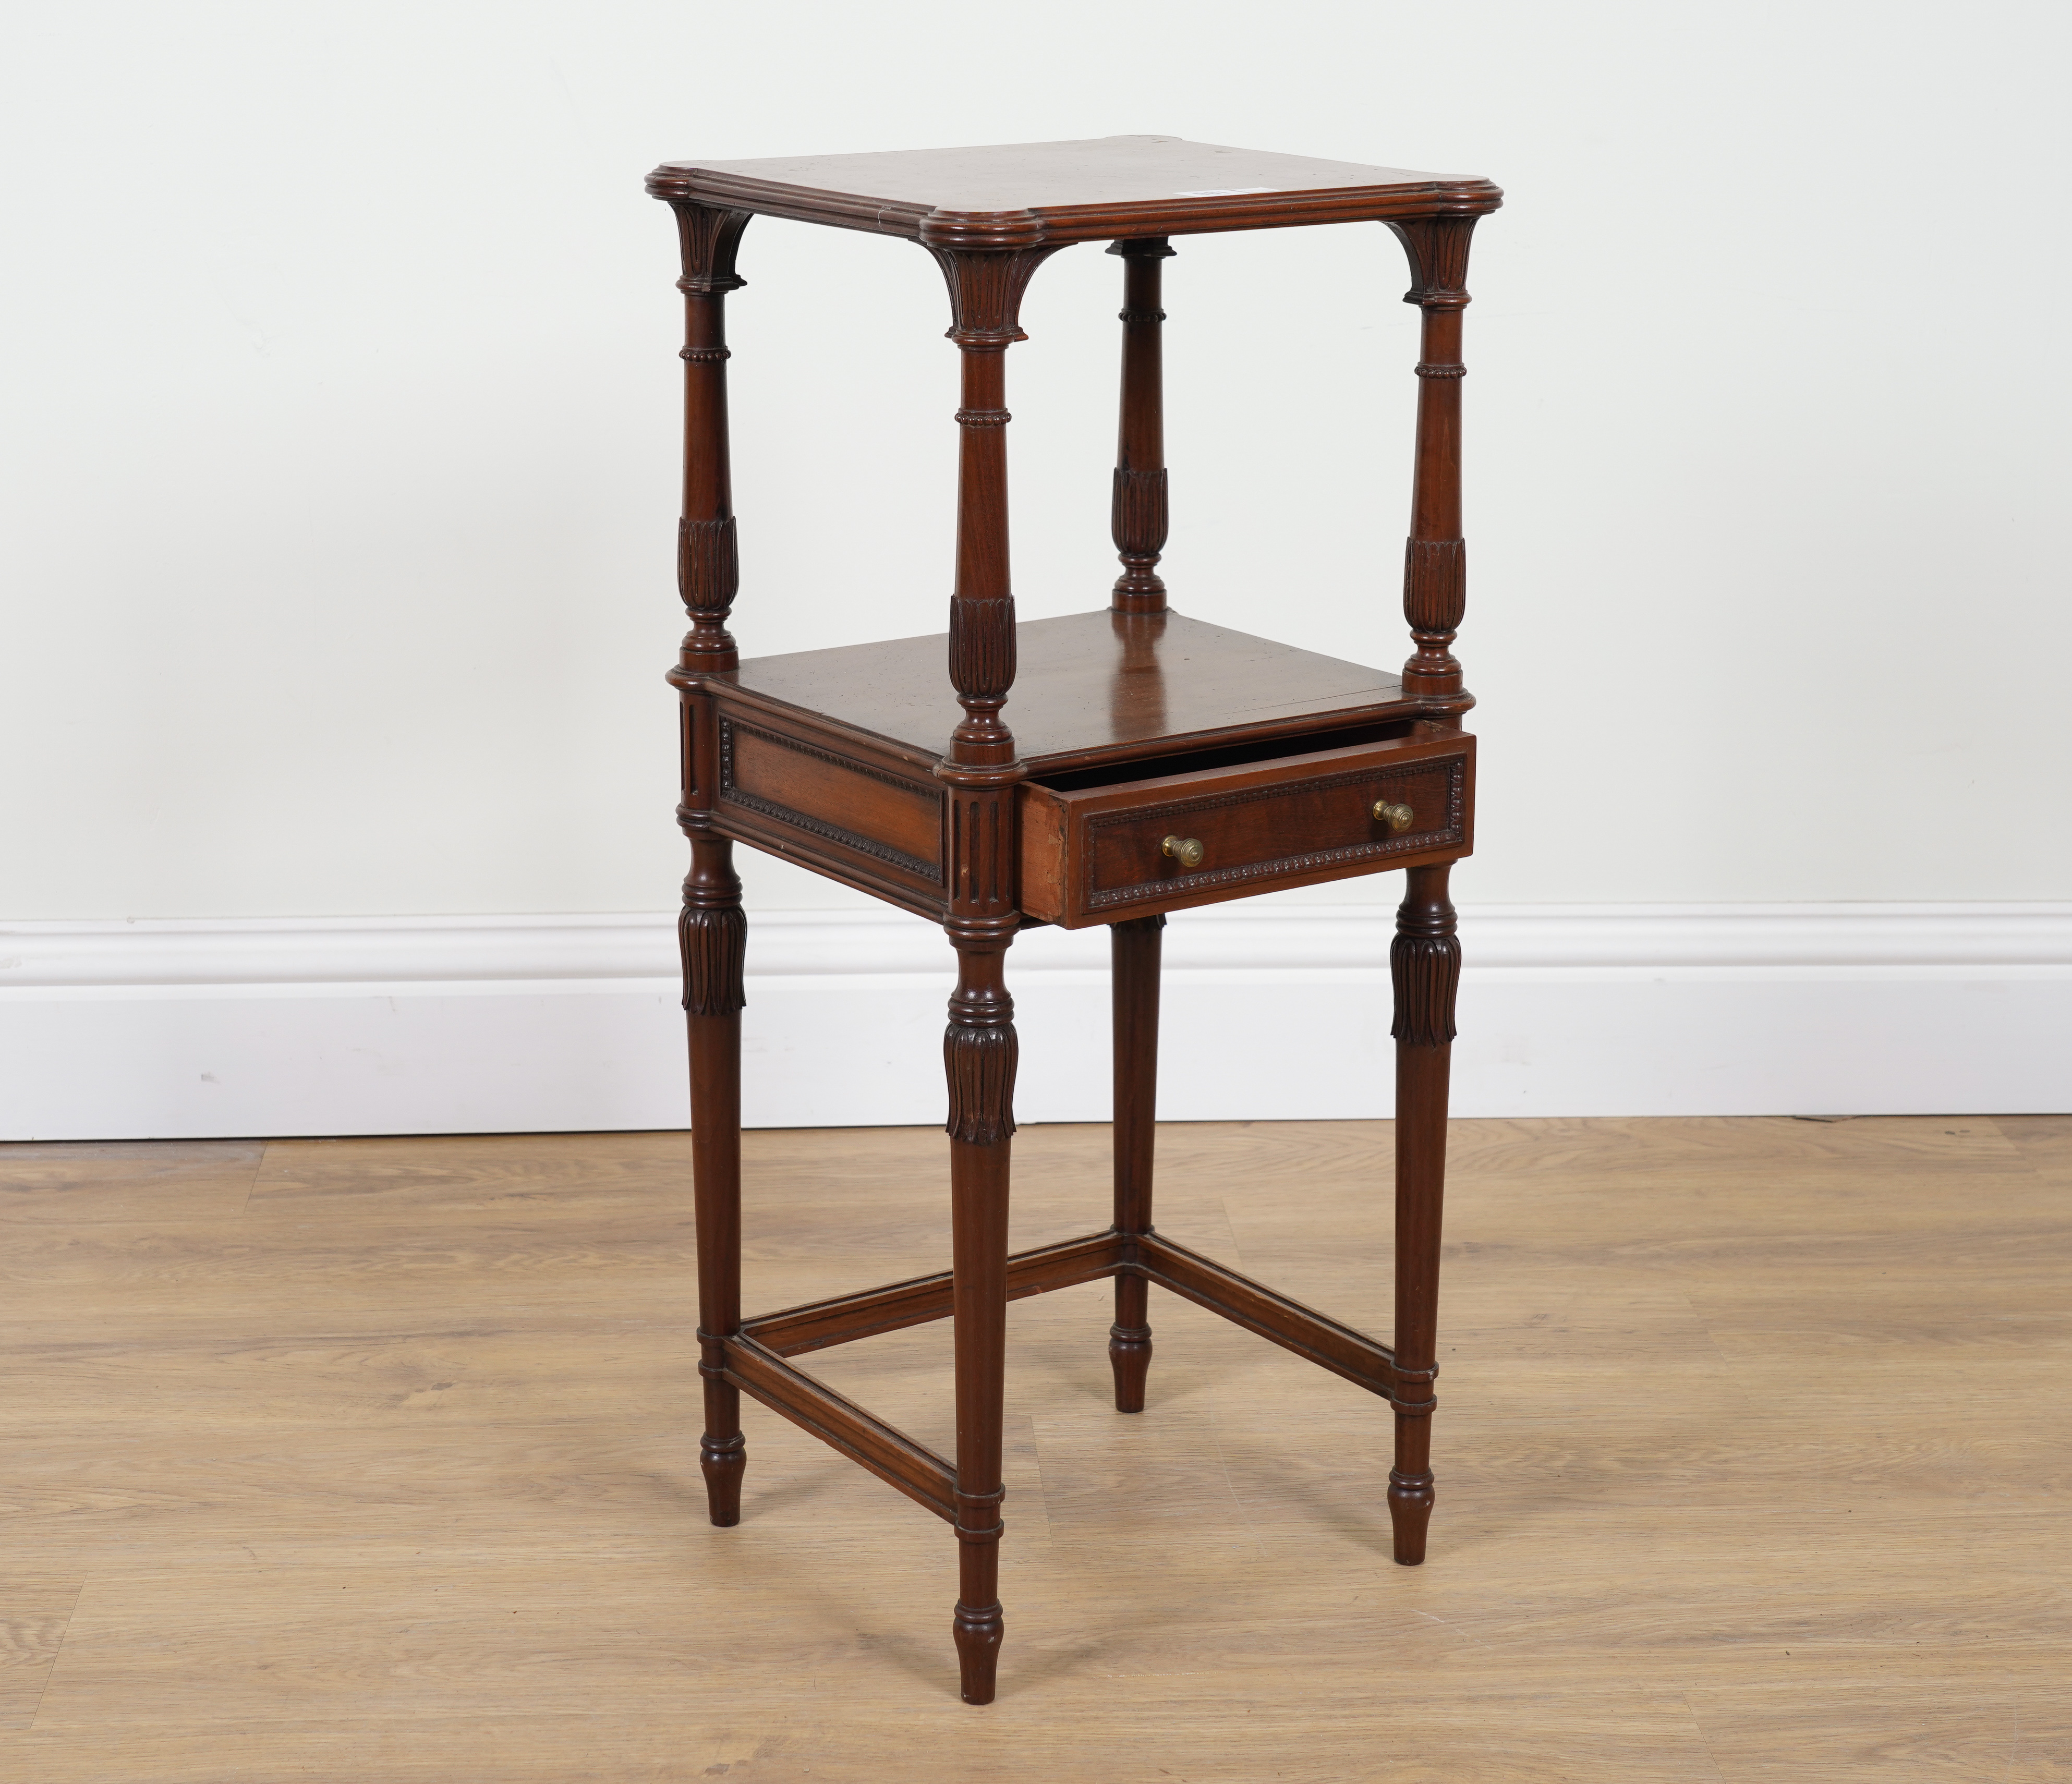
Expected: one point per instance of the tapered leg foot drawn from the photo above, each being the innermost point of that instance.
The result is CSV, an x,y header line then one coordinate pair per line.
x,y
1410,1497
1129,1342
978,1634
723,1461
722,1451
1130,1355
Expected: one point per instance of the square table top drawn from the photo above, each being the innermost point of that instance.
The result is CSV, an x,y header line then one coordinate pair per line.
x,y
1020,194
1089,688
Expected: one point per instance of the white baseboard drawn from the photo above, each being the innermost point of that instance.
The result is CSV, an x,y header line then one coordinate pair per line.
x,y
191,1030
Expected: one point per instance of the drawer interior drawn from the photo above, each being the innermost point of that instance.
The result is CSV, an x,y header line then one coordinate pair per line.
x,y
1229,755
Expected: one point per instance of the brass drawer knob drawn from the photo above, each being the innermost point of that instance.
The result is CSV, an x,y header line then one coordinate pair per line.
x,y
1396,817
1183,849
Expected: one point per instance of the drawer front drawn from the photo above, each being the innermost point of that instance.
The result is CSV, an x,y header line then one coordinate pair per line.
x,y
1291,823
1273,831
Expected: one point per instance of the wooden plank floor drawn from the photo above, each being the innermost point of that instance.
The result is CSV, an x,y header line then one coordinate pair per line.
x,y
376,1459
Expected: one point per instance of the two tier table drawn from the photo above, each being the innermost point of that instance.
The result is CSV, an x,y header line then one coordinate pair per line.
x,y
1146,762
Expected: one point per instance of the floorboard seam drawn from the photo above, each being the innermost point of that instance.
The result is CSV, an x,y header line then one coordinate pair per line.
x,y
1698,1728
258,1170
50,1672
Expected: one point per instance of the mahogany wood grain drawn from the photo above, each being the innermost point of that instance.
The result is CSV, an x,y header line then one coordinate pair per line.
x,y
891,1454
1087,690
1435,558
712,930
708,571
1135,1256
979,1052
1424,963
1134,948
1089,853
985,298
1011,195
1309,1334
1094,768
895,818
862,832
865,814
980,1049
1138,513
843,1318
713,940
1137,689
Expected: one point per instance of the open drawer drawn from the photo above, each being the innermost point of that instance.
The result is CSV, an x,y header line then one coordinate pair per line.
x,y
1095,849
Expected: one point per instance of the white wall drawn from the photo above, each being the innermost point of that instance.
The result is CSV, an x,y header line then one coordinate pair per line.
x,y
342,449
418,1024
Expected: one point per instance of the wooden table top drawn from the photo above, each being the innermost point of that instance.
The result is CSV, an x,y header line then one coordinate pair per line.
x,y
1018,194
1090,688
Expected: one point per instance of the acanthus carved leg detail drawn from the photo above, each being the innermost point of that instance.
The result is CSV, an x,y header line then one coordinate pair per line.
x,y
714,934
1424,963
979,1051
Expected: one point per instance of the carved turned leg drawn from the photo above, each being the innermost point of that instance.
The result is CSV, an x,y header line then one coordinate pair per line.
x,y
1425,962
1425,959
713,934
980,772
979,1053
1134,953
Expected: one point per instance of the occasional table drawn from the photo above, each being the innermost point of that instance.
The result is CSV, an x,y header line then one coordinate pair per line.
x,y
1146,762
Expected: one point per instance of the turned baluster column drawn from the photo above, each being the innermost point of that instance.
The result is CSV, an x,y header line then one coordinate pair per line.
x,y
1435,588
979,1045
712,931
1138,513
708,568
1137,610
